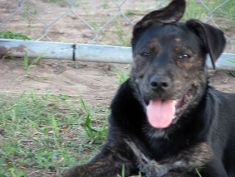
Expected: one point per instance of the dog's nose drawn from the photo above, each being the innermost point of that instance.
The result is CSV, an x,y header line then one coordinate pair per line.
x,y
160,83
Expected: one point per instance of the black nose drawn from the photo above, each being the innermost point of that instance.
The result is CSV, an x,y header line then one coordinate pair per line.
x,y
160,83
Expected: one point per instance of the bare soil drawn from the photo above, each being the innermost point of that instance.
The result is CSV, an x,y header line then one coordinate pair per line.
x,y
94,82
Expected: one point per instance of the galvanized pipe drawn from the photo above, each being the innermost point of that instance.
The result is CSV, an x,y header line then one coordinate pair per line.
x,y
84,52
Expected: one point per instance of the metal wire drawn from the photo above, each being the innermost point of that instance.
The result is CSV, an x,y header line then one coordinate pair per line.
x,y
101,21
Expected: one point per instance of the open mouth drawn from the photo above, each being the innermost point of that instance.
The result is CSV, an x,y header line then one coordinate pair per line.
x,y
162,113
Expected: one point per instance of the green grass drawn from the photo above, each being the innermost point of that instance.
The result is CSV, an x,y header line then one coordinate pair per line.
x,y
59,2
232,60
28,62
13,35
197,11
122,76
198,173
232,73
47,133
121,35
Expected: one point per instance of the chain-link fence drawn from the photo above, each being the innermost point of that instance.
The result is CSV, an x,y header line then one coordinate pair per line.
x,y
102,21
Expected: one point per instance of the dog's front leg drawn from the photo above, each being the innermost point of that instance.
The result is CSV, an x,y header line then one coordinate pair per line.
x,y
111,162
186,161
150,168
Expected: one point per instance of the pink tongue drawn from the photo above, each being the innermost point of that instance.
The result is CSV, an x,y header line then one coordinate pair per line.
x,y
161,113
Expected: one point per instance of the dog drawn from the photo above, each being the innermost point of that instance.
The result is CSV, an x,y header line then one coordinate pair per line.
x,y
166,120
185,161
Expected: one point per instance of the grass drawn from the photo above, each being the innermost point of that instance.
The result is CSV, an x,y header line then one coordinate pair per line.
x,y
122,76
28,62
28,13
197,11
121,36
59,2
232,73
13,35
97,135
44,134
198,173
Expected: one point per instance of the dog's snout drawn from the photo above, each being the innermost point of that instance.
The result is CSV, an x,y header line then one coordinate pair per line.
x,y
160,83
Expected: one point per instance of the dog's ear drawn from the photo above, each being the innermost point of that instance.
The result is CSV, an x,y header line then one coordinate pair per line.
x,y
213,38
170,14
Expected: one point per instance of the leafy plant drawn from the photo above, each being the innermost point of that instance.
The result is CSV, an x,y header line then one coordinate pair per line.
x,y
232,73
29,62
37,133
195,10
14,35
198,173
16,173
216,8
96,134
122,76
232,61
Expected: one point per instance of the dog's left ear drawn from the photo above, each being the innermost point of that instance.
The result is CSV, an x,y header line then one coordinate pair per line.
x,y
169,14
213,38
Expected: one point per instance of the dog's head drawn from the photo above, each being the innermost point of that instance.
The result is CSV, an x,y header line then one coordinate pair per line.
x,y
169,71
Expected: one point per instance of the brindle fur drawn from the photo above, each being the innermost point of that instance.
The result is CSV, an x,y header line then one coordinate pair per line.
x,y
186,161
169,63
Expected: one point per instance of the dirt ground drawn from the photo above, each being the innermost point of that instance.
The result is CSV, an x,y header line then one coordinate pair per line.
x,y
94,82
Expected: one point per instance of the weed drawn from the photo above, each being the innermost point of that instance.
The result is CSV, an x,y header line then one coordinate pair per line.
x,y
132,13
123,171
28,13
14,35
105,5
61,2
122,76
232,73
29,62
98,134
195,10
16,173
121,35
45,133
232,61
198,173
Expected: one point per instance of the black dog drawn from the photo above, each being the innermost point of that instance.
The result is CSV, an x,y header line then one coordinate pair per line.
x,y
185,161
166,120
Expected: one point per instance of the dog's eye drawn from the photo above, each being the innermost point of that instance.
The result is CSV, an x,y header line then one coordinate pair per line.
x,y
184,56
145,53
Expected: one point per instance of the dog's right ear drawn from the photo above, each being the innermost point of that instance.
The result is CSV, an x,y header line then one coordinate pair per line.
x,y
213,38
170,14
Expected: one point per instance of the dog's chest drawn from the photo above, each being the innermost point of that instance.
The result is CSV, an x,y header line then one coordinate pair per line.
x,y
161,148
